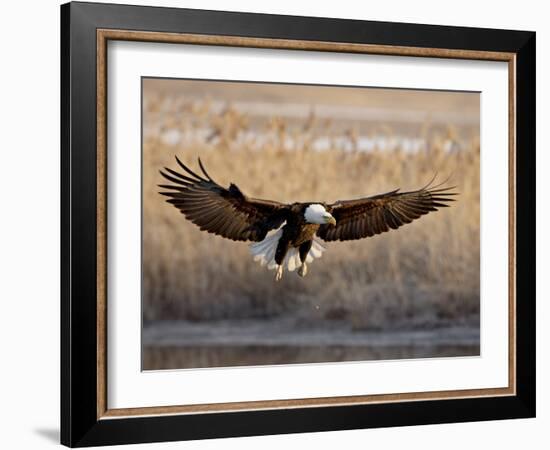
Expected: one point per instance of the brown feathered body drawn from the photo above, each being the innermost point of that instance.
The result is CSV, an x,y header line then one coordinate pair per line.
x,y
289,235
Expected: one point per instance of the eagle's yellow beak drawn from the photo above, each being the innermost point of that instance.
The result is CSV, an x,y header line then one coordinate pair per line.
x,y
331,220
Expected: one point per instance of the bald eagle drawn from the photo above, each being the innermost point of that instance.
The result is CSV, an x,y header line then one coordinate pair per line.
x,y
297,228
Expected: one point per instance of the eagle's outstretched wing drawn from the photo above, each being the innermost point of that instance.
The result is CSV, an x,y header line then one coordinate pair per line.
x,y
365,217
225,212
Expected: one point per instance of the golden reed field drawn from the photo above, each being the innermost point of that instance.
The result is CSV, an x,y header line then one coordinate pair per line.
x,y
423,276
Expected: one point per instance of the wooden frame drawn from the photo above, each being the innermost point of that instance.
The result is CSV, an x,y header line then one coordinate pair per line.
x,y
86,418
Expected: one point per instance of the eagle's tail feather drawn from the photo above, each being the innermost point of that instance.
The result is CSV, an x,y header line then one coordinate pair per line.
x,y
264,252
317,249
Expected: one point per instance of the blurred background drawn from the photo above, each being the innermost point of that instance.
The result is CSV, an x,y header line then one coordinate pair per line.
x,y
410,293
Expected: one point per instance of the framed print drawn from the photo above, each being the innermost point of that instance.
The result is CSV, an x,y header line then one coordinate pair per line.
x,y
277,224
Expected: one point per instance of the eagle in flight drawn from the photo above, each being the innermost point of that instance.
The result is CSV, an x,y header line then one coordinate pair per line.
x,y
297,228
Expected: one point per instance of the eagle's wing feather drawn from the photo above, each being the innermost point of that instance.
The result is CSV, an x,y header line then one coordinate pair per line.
x,y
365,217
225,212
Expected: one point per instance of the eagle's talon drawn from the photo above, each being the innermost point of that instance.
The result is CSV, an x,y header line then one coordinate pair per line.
x,y
279,273
302,271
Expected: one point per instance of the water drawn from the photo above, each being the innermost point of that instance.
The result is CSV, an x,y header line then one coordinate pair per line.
x,y
158,358
184,345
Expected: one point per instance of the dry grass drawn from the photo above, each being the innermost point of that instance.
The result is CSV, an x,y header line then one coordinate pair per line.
x,y
425,274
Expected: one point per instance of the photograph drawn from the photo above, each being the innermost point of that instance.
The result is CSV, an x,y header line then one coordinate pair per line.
x,y
293,223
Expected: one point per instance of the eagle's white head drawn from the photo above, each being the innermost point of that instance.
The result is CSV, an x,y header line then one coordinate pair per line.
x,y
316,213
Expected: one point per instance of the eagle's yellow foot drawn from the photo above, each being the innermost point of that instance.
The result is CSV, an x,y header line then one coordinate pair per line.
x,y
279,273
302,271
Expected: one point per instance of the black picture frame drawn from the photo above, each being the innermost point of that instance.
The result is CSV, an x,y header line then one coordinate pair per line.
x,y
80,425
